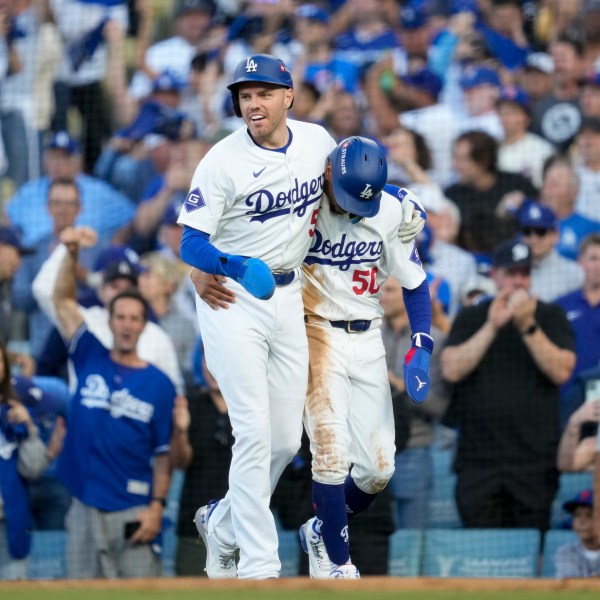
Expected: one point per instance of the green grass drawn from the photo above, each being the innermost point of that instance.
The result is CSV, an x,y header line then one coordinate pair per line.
x,y
200,594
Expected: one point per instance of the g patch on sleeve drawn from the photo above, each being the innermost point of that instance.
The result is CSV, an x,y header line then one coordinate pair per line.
x,y
194,200
414,256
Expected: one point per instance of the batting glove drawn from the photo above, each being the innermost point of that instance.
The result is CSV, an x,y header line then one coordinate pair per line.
x,y
413,217
252,273
416,366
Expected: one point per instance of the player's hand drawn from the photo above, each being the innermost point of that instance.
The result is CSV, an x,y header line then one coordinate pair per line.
x,y
416,367
413,218
211,289
252,273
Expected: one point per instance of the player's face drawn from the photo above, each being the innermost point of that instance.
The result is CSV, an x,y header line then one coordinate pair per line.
x,y
328,189
264,108
126,323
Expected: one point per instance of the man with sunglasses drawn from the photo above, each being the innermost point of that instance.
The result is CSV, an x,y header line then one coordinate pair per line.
x,y
552,275
507,357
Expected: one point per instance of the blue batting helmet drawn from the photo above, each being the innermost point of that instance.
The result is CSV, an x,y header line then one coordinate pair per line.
x,y
359,170
262,68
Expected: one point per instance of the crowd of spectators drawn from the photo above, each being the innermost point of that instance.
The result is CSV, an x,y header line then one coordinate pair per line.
x,y
489,109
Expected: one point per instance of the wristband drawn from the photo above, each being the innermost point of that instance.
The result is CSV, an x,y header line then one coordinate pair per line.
x,y
531,329
160,499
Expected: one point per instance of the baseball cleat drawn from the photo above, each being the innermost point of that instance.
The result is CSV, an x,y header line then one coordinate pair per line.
x,y
319,564
347,571
219,564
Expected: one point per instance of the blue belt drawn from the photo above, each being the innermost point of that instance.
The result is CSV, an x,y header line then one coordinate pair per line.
x,y
284,277
352,326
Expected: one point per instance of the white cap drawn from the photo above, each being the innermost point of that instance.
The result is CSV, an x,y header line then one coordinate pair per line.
x,y
541,62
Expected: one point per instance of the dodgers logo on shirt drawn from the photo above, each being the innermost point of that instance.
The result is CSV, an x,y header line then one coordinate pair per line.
x,y
265,205
343,254
194,200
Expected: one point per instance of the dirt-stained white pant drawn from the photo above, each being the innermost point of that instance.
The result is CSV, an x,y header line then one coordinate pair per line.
x,y
348,414
258,353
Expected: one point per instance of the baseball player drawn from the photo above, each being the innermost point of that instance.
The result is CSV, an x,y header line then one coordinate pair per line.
x,y
256,194
249,219
348,414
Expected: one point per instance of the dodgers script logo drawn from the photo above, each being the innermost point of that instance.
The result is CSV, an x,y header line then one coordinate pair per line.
x,y
343,254
264,205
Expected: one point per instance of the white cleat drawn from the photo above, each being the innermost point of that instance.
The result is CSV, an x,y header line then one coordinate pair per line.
x,y
319,564
347,571
219,564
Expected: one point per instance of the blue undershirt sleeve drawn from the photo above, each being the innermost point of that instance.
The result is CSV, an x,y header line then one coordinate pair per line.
x,y
418,307
197,251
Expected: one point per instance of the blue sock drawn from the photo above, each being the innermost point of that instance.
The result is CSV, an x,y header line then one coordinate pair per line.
x,y
330,507
356,499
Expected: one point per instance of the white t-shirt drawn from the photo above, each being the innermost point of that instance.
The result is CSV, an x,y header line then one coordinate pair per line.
x,y
526,156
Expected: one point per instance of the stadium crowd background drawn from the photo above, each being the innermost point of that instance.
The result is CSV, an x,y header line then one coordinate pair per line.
x,y
490,109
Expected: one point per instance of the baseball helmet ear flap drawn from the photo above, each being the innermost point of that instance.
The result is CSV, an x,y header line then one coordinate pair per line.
x,y
359,174
260,68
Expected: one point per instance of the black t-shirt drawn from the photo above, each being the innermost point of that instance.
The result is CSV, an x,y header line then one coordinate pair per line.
x,y
507,410
481,230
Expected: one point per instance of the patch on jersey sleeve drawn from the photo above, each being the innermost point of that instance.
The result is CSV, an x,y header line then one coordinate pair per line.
x,y
414,256
194,200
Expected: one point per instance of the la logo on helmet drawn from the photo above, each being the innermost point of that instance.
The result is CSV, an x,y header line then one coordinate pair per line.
x,y
251,65
367,192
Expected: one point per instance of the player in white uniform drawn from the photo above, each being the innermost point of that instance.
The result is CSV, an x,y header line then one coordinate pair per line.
x,y
348,413
256,194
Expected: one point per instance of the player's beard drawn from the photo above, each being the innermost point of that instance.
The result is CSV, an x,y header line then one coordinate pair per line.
x,y
270,131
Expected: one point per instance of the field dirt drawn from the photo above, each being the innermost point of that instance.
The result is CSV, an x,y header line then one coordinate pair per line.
x,y
366,584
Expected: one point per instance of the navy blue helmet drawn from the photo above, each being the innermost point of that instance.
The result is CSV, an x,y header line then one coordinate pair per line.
x,y
262,68
359,169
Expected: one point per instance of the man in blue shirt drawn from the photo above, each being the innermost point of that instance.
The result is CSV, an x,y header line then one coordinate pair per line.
x,y
102,207
115,459
582,308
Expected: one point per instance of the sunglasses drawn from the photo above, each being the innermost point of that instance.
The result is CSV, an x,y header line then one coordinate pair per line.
x,y
539,231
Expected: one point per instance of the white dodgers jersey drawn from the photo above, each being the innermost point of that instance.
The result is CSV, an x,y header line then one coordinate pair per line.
x,y
348,262
258,202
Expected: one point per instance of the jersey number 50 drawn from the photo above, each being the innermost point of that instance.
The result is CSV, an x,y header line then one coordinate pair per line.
x,y
366,280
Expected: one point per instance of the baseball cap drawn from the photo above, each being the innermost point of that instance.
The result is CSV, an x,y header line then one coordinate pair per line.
x,y
583,498
61,140
116,254
511,254
412,18
474,76
186,6
540,61
425,80
9,236
537,215
516,95
173,209
590,124
168,81
313,13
